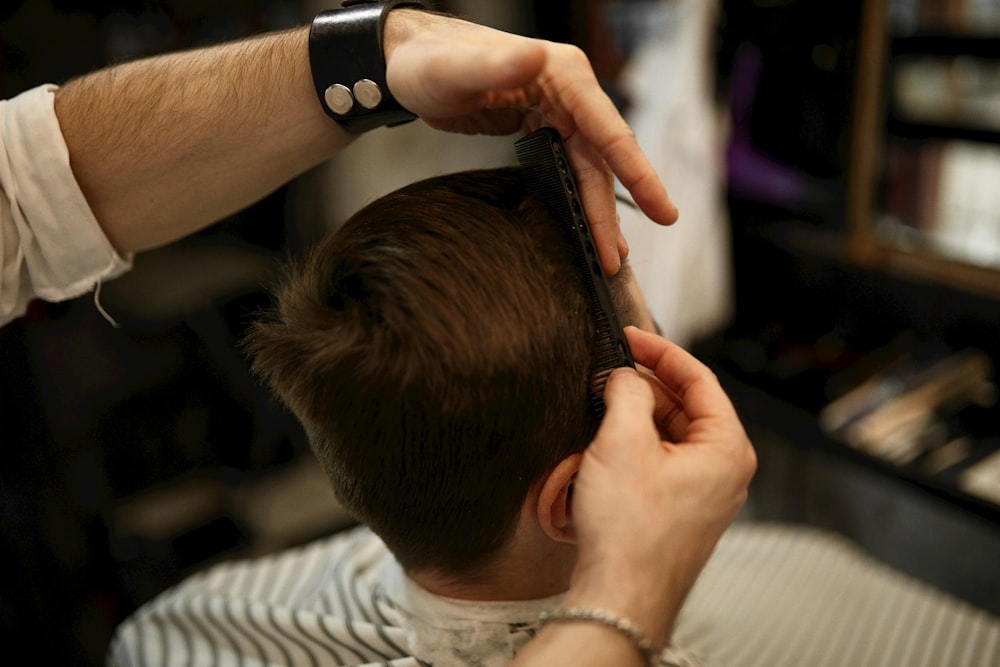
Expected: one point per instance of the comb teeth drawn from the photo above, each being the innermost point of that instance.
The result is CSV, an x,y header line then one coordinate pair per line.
x,y
546,171
607,356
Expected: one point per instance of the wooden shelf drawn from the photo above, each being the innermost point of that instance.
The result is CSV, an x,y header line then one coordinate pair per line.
x,y
899,127
946,44
927,266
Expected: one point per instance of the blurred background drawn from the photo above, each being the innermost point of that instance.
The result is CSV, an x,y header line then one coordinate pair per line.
x,y
837,263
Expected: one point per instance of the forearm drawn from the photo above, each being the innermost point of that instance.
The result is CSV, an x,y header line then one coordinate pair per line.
x,y
167,145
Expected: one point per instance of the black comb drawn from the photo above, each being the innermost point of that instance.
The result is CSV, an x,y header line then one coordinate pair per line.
x,y
546,171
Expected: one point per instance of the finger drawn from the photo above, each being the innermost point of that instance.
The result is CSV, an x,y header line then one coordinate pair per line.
x,y
599,121
695,384
596,184
668,412
638,176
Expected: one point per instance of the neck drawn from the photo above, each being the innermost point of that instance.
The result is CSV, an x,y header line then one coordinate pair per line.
x,y
529,567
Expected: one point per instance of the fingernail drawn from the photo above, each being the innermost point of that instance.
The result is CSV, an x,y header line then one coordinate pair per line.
x,y
620,372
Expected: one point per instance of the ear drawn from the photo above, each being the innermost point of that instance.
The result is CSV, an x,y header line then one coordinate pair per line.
x,y
554,510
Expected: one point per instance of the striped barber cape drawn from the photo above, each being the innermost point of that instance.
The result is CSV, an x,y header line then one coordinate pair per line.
x,y
771,595
341,601
777,594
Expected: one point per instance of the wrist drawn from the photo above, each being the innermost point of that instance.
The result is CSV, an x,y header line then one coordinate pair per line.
x,y
648,587
579,643
624,627
348,64
628,591
402,24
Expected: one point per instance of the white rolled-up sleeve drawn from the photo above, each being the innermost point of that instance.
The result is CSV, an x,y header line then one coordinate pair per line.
x,y
51,245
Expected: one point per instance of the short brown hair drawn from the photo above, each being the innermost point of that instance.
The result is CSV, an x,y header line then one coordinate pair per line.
x,y
436,348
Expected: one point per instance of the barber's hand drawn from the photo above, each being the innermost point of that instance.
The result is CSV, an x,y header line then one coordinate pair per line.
x,y
463,77
666,474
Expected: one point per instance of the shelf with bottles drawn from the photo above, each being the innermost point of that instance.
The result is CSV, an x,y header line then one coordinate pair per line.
x,y
926,143
940,197
947,93
937,202
966,18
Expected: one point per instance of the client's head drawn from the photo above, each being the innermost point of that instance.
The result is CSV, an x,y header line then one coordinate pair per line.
x,y
436,348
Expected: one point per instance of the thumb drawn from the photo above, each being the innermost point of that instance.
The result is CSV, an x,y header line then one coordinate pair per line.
x,y
628,419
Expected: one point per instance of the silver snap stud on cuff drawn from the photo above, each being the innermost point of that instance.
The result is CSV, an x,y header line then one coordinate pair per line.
x,y
367,93
339,98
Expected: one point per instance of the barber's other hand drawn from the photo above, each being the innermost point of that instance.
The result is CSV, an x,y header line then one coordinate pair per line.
x,y
462,77
665,476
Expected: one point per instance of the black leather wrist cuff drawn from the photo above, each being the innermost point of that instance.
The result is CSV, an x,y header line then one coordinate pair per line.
x,y
348,65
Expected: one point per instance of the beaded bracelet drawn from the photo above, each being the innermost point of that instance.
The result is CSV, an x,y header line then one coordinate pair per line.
x,y
622,625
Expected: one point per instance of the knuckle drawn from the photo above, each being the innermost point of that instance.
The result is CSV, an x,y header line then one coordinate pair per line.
x,y
573,53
